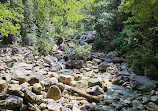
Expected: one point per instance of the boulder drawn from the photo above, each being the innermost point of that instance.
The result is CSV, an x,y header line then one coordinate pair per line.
x,y
29,96
3,85
50,60
103,66
35,78
75,63
66,79
11,102
15,89
152,106
141,83
96,61
37,88
154,99
59,55
55,67
3,96
96,90
54,106
54,92
93,82
19,76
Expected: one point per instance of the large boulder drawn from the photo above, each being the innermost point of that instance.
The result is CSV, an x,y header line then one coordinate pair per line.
x,y
50,59
96,90
103,66
54,92
11,102
75,63
66,79
142,83
55,67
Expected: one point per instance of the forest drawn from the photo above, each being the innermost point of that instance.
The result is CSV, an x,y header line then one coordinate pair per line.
x,y
103,50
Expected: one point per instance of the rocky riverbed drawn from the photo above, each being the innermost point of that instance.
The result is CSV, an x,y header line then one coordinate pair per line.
x,y
34,83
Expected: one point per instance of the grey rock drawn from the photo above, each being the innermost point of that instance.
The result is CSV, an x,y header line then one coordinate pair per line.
x,y
66,79
137,105
96,90
75,63
117,80
3,96
142,83
54,106
50,60
154,99
93,82
11,102
96,61
55,67
112,54
152,106
103,66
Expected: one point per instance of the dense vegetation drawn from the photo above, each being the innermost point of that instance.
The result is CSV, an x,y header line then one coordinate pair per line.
x,y
129,27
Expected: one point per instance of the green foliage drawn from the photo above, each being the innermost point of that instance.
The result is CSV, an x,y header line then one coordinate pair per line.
x,y
80,52
104,18
142,11
42,47
10,19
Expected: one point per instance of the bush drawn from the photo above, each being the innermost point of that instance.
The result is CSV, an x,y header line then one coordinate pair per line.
x,y
42,47
80,52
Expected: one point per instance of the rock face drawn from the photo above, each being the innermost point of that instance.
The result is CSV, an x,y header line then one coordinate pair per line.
x,y
103,66
3,85
11,102
54,92
75,63
141,83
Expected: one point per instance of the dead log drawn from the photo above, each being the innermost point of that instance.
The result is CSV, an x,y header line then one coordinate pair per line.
x,y
89,97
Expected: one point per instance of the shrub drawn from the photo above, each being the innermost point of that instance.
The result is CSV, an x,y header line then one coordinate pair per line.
x,y
42,47
80,52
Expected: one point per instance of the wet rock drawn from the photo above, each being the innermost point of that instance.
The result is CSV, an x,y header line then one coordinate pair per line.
x,y
123,73
3,85
37,88
154,99
141,83
54,92
145,100
75,63
66,79
54,106
103,66
96,90
152,106
95,108
11,102
128,101
93,82
50,60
